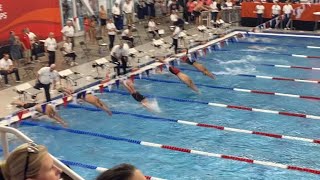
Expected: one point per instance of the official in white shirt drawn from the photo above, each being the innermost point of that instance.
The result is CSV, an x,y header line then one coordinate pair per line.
x,y
6,67
128,11
116,16
287,10
127,35
259,11
275,12
119,53
175,37
111,29
68,31
214,11
68,51
51,46
45,77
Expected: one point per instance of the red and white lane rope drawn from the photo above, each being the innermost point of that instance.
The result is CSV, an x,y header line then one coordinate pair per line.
x,y
280,78
265,111
313,47
293,67
305,56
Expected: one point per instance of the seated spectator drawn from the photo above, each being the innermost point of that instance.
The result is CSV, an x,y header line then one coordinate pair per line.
x,y
6,68
127,35
68,51
152,28
176,20
228,4
30,161
122,172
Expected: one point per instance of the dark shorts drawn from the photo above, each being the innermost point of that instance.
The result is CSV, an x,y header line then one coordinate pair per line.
x,y
103,22
29,105
138,97
219,7
196,13
188,61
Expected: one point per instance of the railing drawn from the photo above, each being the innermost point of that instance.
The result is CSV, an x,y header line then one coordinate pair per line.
x,y
5,145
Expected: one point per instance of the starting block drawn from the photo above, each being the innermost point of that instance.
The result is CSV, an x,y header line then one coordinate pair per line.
x,y
26,89
70,76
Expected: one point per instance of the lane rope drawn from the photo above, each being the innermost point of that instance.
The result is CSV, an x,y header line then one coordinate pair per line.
x,y
97,168
174,148
238,89
293,67
203,125
243,108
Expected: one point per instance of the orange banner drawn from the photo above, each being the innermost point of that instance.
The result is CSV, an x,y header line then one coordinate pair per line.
x,y
302,12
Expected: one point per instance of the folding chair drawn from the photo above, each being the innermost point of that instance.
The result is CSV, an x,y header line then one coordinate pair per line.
x,y
136,35
26,89
103,46
70,76
85,49
29,72
67,60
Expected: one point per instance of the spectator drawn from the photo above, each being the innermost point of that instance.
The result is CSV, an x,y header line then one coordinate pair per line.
x,y
103,20
111,29
68,31
128,11
119,53
122,172
127,35
50,45
173,6
275,14
6,67
116,16
141,9
228,4
150,8
45,77
92,29
287,10
176,20
175,37
68,51
214,11
34,44
86,24
30,161
190,5
183,5
197,11
259,11
152,28
26,46
15,47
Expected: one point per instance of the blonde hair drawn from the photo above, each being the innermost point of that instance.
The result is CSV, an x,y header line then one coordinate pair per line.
x,y
13,168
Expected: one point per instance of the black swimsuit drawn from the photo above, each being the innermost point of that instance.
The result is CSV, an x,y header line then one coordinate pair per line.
x,y
29,105
138,97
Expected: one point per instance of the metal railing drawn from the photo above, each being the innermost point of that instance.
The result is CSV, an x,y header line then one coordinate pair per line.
x,y
4,130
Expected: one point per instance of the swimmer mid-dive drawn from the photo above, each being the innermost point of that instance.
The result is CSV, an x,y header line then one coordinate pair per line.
x,y
200,67
46,109
128,84
94,100
183,77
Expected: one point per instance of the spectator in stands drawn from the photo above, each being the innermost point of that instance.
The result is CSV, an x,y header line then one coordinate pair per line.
x,y
259,11
92,29
15,47
275,12
119,53
150,8
6,68
141,9
30,161
176,20
214,11
128,11
197,11
86,25
51,46
34,44
173,6
103,20
190,5
45,77
152,28
228,4
111,29
116,16
127,35
287,10
69,52
26,44
183,5
68,31
123,172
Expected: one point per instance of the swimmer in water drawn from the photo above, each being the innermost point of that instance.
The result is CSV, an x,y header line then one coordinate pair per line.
x,y
183,77
261,48
94,100
49,110
128,84
200,67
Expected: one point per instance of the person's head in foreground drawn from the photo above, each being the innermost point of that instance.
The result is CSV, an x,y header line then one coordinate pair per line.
x,y
30,161
122,172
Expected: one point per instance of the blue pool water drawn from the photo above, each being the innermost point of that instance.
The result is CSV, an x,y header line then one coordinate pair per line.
x,y
238,59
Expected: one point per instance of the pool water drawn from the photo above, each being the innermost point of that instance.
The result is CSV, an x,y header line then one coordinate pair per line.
x,y
237,59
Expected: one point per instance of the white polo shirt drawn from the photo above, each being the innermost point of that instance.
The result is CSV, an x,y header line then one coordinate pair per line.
x,y
276,9
214,7
109,27
5,64
116,10
32,37
260,9
176,32
51,44
125,32
68,31
46,76
229,5
127,8
174,17
287,9
117,52
151,26
67,48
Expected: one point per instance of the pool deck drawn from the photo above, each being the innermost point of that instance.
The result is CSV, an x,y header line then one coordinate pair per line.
x,y
87,72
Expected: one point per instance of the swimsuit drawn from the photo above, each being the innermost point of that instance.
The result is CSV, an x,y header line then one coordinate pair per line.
x,y
189,61
29,105
138,97
174,70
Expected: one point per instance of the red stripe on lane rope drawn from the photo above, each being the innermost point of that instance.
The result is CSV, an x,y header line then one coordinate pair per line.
x,y
310,97
309,170
315,57
316,141
239,107
176,148
293,114
262,92
210,126
267,134
282,79
148,177
300,67
237,158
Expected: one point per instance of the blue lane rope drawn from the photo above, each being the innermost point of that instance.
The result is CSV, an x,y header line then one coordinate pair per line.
x,y
271,44
272,53
72,163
